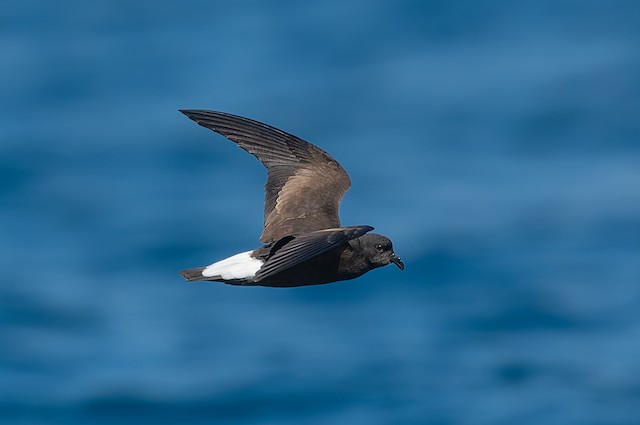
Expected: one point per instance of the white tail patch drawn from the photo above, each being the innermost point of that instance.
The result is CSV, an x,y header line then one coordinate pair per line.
x,y
239,266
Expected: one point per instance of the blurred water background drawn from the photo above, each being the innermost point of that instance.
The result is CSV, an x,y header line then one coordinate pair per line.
x,y
496,142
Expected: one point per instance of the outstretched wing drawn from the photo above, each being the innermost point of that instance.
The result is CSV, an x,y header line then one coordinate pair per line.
x,y
307,246
304,185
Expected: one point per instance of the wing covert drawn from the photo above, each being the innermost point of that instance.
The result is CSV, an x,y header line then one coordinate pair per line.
x,y
304,183
307,246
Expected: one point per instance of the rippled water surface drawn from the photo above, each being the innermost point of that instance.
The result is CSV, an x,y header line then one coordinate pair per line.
x,y
497,143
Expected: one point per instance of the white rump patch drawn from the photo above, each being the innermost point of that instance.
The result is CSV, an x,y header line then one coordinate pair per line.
x,y
239,266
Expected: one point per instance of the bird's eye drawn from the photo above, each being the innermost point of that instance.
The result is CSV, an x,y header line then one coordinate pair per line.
x,y
379,248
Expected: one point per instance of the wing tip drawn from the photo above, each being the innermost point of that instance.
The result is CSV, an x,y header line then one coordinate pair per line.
x,y
359,230
207,118
191,113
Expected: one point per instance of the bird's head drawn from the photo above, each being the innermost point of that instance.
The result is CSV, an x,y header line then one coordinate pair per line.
x,y
379,250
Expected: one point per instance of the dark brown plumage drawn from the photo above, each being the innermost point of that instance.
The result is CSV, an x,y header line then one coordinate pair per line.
x,y
304,183
305,243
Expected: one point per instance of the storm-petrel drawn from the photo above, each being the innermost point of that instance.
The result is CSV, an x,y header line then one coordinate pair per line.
x,y
304,241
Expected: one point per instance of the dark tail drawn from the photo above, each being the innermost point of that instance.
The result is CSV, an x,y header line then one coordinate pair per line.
x,y
192,275
195,275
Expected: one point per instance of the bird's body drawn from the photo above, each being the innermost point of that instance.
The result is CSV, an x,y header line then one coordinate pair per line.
x,y
304,241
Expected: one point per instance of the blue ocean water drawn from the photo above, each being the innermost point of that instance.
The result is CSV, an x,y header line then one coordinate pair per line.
x,y
497,143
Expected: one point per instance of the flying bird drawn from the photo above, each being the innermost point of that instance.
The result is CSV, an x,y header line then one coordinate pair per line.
x,y
304,242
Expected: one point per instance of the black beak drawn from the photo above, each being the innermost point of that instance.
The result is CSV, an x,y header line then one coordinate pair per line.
x,y
397,261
